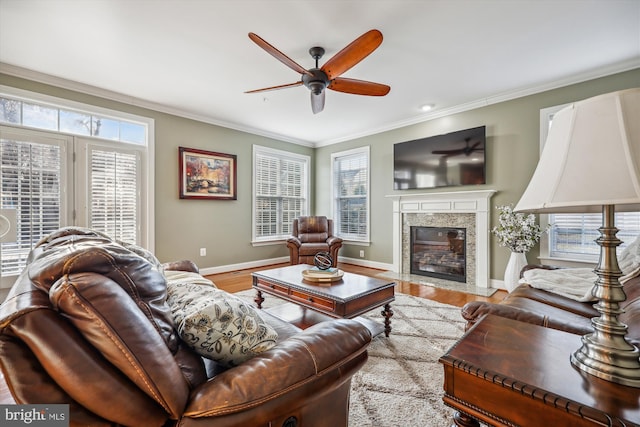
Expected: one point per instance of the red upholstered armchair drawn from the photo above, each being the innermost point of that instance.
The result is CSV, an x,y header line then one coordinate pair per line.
x,y
310,235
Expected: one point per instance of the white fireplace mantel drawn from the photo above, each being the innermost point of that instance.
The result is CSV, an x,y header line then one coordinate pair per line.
x,y
476,202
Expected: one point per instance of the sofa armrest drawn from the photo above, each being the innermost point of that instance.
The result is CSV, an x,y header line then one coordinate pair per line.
x,y
334,240
474,311
184,265
308,360
293,242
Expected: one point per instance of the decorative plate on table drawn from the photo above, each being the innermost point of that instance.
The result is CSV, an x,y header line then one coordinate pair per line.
x,y
317,275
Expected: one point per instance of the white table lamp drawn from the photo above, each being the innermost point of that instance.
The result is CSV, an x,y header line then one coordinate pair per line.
x,y
591,163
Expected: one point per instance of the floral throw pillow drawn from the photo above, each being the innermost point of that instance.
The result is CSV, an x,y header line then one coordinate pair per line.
x,y
218,325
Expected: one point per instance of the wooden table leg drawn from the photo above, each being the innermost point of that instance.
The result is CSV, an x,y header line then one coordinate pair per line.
x,y
387,313
259,298
460,419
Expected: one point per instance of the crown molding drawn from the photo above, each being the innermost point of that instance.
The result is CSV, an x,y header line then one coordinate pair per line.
x,y
48,79
506,96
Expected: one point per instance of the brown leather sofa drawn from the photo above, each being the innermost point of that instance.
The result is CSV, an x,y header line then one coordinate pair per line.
x,y
541,307
87,324
310,235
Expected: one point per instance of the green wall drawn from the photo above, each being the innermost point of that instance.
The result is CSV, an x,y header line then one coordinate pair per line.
x,y
224,227
513,129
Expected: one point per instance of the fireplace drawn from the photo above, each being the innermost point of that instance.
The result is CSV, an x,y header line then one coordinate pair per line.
x,y
466,210
439,252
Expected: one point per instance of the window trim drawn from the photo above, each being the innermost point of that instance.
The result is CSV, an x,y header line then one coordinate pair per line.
x,y
366,241
306,160
147,231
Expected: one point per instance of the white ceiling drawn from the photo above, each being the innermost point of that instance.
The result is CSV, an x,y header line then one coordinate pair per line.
x,y
194,58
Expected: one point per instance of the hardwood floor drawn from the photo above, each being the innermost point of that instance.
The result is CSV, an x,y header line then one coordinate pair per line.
x,y
240,280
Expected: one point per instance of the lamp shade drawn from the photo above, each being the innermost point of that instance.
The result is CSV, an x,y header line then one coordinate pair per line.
x,y
591,158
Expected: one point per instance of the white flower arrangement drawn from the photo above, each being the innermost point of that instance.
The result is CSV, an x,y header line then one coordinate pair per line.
x,y
516,231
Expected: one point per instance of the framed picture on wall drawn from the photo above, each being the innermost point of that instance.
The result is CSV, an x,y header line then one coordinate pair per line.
x,y
207,175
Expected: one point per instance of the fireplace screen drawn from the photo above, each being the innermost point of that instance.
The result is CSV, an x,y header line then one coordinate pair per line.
x,y
439,252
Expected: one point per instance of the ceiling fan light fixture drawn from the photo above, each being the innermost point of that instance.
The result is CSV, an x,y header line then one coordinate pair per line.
x,y
316,87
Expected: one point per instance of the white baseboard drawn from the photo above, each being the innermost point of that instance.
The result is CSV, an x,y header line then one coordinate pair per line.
x,y
242,265
497,284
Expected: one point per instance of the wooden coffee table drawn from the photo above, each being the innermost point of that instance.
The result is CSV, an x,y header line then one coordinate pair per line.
x,y
347,298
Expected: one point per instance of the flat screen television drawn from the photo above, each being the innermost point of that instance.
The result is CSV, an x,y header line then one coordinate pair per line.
x,y
456,158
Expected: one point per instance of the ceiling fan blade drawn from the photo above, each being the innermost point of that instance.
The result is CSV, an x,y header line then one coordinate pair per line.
x,y
317,102
275,87
277,54
355,52
358,87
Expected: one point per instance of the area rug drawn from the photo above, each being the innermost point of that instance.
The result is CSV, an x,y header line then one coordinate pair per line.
x,y
401,383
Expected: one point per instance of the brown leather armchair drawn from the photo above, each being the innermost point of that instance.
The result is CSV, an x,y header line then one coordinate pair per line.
x,y
310,235
87,324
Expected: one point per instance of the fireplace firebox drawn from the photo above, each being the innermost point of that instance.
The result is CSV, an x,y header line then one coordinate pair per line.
x,y
439,252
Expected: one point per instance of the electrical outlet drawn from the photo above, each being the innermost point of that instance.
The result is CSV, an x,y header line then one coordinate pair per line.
x,y
203,251
361,254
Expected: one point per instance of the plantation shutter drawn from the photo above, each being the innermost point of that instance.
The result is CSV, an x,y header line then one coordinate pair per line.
x,y
351,181
266,195
280,183
114,197
574,235
292,173
33,179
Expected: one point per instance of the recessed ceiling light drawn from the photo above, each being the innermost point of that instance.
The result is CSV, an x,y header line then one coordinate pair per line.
x,y
426,107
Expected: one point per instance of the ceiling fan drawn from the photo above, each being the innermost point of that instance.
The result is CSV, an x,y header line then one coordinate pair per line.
x,y
466,150
317,79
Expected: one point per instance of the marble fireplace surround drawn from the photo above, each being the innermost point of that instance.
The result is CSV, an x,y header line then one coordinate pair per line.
x,y
468,209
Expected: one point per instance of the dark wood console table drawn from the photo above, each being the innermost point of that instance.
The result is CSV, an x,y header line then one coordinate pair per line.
x,y
509,373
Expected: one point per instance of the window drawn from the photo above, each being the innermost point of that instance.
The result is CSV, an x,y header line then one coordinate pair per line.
x,y
280,192
42,115
350,174
109,189
33,177
65,163
572,236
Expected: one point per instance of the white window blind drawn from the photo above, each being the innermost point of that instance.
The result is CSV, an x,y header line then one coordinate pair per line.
x,y
31,174
280,192
351,194
573,236
114,194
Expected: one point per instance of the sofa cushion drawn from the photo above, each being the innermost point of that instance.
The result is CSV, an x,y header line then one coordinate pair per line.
x,y
218,325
